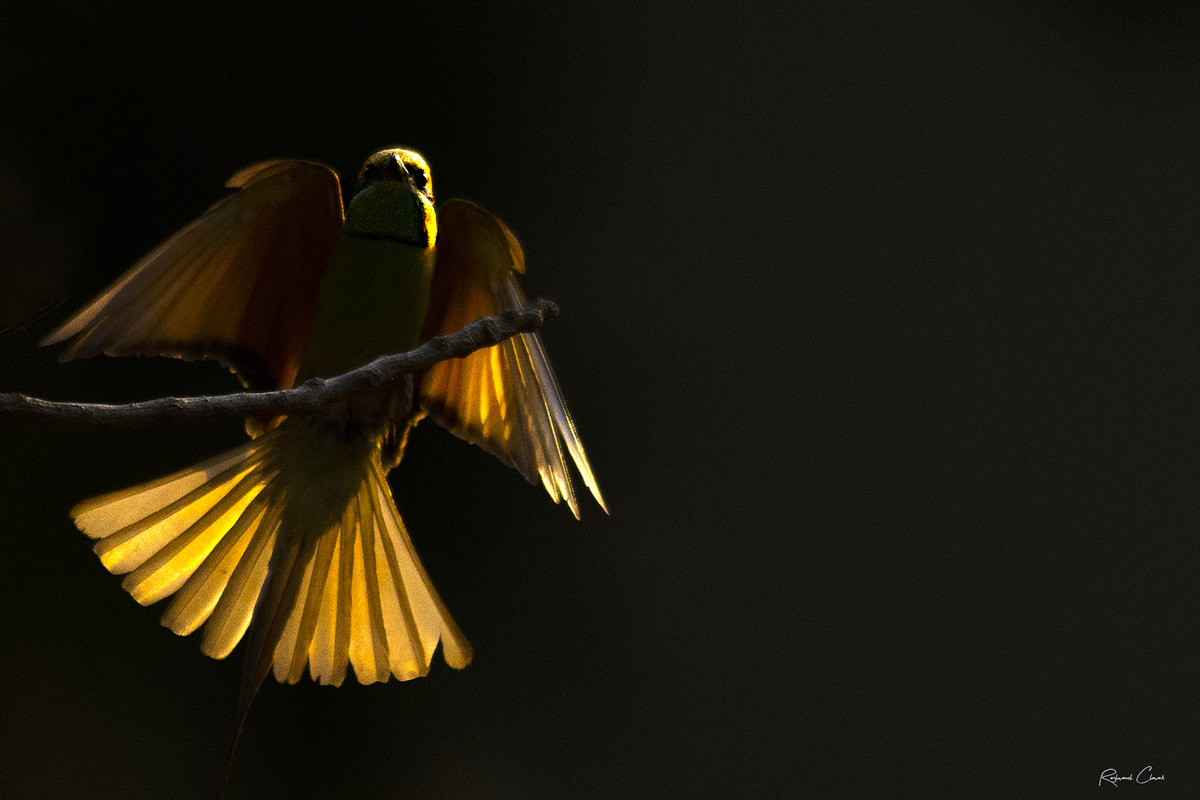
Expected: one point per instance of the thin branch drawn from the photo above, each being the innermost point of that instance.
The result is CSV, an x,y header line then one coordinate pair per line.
x,y
313,394
46,308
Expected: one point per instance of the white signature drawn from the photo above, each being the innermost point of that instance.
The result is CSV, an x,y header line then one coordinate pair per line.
x,y
1145,776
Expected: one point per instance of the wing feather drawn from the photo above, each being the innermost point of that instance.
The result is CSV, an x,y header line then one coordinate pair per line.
x,y
238,285
504,398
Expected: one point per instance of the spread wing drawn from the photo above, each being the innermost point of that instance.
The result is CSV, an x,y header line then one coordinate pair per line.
x,y
504,398
238,285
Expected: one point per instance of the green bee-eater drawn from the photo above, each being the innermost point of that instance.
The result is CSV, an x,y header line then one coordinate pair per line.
x,y
294,536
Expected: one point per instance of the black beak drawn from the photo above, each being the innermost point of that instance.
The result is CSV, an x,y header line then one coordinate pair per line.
x,y
391,170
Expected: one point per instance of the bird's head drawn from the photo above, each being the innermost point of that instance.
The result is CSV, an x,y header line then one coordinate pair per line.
x,y
393,197
403,166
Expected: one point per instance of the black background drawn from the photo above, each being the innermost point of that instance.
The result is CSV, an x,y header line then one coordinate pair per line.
x,y
880,326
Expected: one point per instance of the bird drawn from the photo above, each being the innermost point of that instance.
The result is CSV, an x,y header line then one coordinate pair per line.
x,y
292,541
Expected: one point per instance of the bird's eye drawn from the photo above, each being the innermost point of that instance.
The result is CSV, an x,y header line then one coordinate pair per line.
x,y
418,176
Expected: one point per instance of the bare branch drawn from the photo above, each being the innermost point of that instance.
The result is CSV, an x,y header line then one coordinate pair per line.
x,y
46,308
313,394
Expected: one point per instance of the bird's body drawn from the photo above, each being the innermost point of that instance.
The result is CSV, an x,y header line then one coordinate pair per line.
x,y
380,290
294,537
375,292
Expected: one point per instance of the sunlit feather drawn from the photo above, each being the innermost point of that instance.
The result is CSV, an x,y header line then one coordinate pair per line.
x,y
504,398
238,285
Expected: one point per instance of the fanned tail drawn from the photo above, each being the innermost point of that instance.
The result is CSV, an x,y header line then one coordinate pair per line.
x,y
293,536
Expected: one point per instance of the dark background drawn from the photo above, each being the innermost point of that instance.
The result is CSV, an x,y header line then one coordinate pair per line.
x,y
879,323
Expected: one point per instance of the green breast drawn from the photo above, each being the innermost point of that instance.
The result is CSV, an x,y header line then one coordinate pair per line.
x,y
375,291
373,300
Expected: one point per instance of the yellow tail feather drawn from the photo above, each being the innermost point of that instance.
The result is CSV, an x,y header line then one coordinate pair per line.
x,y
296,531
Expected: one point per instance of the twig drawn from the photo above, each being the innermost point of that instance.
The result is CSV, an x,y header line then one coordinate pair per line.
x,y
308,397
46,308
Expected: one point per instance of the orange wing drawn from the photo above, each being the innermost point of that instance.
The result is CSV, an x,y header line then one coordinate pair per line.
x,y
238,285
504,398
